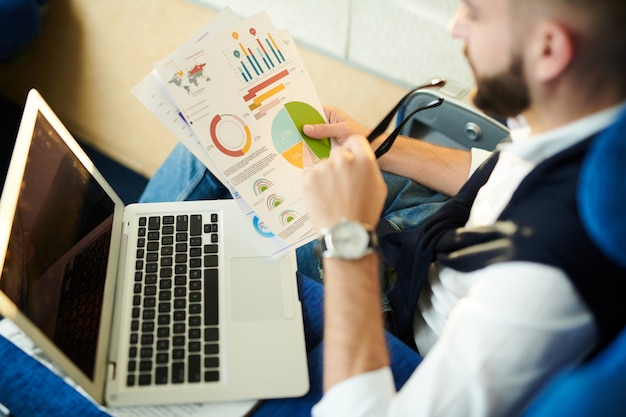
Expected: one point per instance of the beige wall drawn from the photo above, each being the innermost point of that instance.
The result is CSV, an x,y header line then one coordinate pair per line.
x,y
91,53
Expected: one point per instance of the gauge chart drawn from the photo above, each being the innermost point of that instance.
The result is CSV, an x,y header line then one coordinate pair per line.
x,y
289,139
230,135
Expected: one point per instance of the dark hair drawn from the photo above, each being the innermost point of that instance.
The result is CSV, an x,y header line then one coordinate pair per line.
x,y
599,31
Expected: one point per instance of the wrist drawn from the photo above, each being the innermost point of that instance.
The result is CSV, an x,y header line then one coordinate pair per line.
x,y
347,240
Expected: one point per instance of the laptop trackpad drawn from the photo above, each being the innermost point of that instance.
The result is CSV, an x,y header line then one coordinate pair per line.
x,y
256,289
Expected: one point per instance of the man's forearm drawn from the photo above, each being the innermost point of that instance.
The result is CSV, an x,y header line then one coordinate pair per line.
x,y
353,329
439,168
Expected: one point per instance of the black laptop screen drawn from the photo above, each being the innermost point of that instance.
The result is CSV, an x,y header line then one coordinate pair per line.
x,y
55,265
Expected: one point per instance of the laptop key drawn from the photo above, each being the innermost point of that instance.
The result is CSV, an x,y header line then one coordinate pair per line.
x,y
211,297
210,261
145,379
145,366
178,372
154,223
182,223
195,225
194,369
178,353
210,248
160,375
211,334
211,349
211,376
211,362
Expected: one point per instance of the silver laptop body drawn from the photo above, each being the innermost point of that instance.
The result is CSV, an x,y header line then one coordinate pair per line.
x,y
147,304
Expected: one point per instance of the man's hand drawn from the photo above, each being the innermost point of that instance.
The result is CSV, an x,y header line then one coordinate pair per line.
x,y
440,168
348,184
340,126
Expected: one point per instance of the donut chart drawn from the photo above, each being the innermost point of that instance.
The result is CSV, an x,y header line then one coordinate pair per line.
x,y
230,135
289,139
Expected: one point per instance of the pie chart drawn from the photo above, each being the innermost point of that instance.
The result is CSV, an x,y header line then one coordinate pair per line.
x,y
289,139
230,135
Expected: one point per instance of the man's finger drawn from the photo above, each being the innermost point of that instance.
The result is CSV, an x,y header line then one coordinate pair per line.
x,y
320,131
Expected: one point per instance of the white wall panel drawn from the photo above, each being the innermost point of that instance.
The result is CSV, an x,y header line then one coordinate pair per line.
x,y
321,24
405,41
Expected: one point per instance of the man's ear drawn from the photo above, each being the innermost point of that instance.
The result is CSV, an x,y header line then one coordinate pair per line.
x,y
552,51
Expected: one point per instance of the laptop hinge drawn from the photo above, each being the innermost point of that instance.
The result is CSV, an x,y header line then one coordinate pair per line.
x,y
111,370
125,227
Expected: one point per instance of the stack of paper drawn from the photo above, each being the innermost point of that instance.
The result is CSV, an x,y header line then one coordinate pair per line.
x,y
237,95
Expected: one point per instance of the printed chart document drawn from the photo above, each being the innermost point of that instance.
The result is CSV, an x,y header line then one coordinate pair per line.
x,y
237,95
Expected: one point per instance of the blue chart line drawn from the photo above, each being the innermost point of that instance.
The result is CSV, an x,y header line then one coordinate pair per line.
x,y
253,66
265,60
255,61
246,75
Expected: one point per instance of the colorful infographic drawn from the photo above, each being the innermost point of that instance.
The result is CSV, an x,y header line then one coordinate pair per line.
x,y
289,139
243,91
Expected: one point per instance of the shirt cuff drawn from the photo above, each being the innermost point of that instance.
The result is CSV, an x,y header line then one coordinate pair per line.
x,y
367,394
478,157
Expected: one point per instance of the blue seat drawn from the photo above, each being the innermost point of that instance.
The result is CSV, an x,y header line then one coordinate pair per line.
x,y
20,23
597,388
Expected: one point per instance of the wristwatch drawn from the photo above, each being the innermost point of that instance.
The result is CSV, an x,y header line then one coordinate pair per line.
x,y
348,239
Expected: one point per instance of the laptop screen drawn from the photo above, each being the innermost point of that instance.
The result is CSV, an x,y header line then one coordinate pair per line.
x,y
55,265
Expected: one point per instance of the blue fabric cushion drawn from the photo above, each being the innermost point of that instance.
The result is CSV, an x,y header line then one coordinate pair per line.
x,y
602,191
31,389
594,389
19,25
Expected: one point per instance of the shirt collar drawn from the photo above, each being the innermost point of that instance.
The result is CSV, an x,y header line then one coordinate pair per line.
x,y
536,148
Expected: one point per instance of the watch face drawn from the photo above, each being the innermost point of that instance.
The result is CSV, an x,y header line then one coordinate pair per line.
x,y
350,240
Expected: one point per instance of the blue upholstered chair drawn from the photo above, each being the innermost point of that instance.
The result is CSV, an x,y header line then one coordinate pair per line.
x,y
597,388
20,22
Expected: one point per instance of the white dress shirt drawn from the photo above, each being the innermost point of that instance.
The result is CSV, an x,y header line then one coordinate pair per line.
x,y
490,338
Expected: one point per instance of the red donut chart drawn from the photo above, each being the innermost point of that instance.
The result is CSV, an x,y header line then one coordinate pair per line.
x,y
230,135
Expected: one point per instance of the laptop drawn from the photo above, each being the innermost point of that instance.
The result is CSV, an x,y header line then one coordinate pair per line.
x,y
147,304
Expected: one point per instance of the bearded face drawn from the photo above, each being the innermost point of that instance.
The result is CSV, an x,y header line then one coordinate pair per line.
x,y
504,94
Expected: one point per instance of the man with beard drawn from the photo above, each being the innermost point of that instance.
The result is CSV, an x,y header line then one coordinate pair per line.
x,y
501,287
513,289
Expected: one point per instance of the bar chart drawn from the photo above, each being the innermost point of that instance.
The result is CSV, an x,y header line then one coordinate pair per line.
x,y
255,56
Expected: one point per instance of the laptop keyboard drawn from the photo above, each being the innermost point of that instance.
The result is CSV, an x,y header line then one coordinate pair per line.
x,y
174,329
